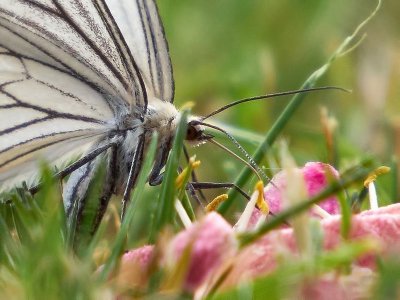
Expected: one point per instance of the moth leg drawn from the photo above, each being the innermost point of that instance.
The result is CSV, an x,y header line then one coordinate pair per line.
x,y
194,179
156,177
156,180
193,194
216,185
133,173
77,164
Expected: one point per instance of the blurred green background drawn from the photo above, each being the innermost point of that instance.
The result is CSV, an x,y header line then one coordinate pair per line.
x,y
228,49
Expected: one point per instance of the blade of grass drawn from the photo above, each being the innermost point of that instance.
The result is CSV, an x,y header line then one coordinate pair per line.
x,y
188,207
345,47
345,211
394,194
165,212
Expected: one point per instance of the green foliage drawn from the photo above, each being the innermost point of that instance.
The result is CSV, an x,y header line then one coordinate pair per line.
x,y
35,259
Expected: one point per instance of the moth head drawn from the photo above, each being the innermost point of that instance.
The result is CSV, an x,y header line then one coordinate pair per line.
x,y
195,134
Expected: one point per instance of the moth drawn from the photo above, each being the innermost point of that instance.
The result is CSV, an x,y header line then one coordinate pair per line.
x,y
91,77
85,76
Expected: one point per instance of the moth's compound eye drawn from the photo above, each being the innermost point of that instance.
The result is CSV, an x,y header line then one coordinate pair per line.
x,y
192,133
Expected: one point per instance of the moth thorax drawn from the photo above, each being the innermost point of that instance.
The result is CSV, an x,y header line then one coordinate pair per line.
x,y
162,117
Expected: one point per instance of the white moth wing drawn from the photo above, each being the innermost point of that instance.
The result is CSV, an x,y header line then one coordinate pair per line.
x,y
45,113
67,74
59,154
79,36
143,32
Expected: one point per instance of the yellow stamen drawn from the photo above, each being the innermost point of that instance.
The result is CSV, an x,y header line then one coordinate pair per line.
x,y
196,164
182,177
212,206
374,174
261,203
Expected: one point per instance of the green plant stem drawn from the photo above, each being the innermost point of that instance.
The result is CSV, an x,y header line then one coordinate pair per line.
x,y
165,208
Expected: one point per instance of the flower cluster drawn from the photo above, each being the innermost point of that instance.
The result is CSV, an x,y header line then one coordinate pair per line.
x,y
210,247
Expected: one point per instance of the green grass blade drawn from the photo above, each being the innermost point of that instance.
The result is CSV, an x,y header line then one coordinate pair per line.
x,y
188,207
136,198
165,213
345,211
394,194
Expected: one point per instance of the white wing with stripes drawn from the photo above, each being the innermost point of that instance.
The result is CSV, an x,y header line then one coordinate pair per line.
x,y
80,37
68,70
143,31
45,113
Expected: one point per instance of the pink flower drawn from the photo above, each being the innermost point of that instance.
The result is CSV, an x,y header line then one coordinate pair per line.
x,y
210,241
316,177
141,256
134,269
213,246
381,226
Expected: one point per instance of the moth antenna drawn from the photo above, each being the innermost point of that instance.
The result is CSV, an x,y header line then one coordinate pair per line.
x,y
241,149
267,96
236,156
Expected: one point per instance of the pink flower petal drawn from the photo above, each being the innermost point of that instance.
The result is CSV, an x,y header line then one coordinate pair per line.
x,y
355,285
133,270
212,241
142,256
316,177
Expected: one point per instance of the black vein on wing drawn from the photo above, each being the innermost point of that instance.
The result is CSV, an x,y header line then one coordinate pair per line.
x,y
70,72
167,57
70,95
151,23
30,151
25,124
52,113
123,49
52,39
146,41
63,15
156,54
52,87
69,20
